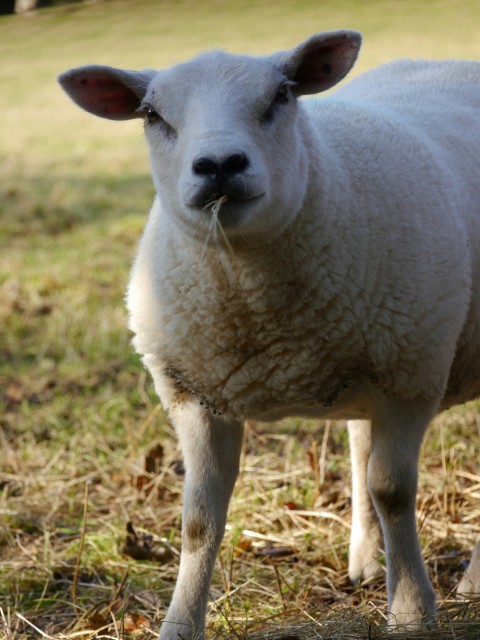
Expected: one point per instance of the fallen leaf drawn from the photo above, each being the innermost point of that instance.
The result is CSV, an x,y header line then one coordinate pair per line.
x,y
244,545
134,621
141,482
97,620
292,506
152,465
153,459
141,546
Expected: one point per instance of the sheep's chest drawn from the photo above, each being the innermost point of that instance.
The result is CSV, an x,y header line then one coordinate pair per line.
x,y
254,348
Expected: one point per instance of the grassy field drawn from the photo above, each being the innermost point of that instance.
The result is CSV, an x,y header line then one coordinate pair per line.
x,y
84,447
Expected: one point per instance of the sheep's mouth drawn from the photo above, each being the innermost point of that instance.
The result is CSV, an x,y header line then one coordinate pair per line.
x,y
222,216
227,202
229,211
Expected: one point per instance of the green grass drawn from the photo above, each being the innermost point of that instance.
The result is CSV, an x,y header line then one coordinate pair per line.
x,y
75,404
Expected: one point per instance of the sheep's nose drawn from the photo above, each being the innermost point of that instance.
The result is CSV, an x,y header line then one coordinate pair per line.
x,y
236,163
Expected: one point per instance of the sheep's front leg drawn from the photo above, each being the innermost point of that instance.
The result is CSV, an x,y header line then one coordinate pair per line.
x,y
211,448
397,431
366,535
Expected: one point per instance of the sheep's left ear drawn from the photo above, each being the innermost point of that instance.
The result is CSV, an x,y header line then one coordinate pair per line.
x,y
105,91
320,62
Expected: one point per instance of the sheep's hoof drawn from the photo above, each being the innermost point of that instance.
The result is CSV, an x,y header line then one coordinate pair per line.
x,y
364,557
365,573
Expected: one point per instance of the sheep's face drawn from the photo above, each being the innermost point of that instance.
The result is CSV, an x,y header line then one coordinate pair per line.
x,y
225,132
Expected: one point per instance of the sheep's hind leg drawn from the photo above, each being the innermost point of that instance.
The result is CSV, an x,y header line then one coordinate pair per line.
x,y
366,535
469,586
211,448
397,430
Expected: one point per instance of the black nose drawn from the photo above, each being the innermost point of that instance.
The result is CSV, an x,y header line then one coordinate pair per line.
x,y
236,163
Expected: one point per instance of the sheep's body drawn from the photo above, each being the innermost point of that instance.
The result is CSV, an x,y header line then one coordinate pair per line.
x,y
292,326
336,276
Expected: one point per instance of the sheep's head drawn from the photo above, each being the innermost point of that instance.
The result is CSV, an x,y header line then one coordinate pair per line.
x,y
223,129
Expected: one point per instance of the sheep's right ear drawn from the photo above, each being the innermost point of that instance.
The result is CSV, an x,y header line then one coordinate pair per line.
x,y
107,92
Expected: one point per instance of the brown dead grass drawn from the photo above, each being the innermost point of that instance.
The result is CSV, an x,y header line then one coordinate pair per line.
x,y
282,570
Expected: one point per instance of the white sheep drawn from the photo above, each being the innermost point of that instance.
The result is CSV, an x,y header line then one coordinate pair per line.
x,y
314,257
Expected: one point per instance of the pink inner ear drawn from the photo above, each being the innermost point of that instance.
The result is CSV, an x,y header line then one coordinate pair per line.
x,y
318,67
105,95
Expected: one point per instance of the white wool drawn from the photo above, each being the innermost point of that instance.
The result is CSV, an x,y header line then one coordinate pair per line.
x,y
371,279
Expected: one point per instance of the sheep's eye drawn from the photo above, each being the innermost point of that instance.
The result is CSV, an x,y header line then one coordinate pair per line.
x,y
282,94
281,97
151,115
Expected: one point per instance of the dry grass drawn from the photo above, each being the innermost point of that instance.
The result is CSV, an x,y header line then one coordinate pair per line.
x,y
282,570
80,429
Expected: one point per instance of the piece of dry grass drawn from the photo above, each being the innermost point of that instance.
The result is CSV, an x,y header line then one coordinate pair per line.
x,y
216,233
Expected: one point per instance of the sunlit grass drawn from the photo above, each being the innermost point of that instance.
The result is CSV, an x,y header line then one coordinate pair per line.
x,y
75,404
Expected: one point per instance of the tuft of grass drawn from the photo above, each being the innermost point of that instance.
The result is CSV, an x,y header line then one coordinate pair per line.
x,y
76,408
